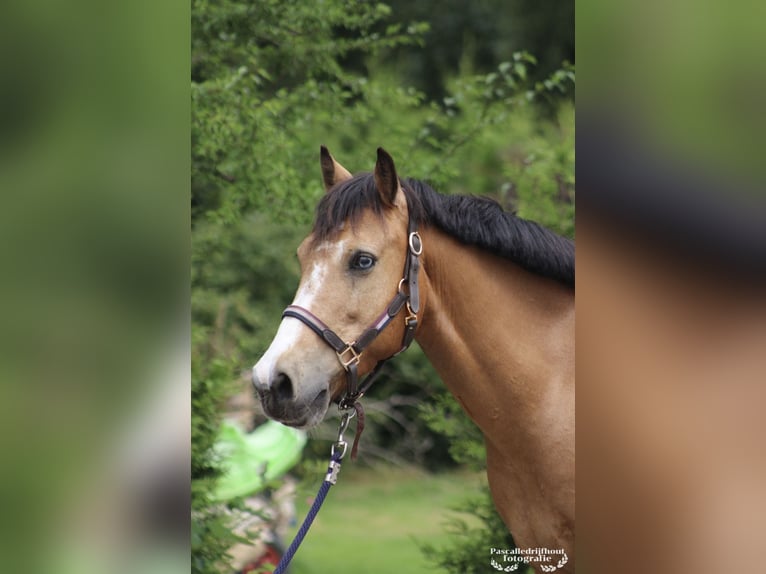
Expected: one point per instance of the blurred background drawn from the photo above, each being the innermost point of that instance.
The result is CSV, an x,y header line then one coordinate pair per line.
x,y
473,97
94,288
671,257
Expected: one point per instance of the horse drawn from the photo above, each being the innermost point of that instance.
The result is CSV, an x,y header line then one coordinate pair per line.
x,y
488,296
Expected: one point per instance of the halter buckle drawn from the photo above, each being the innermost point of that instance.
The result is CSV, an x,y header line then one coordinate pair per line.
x,y
348,361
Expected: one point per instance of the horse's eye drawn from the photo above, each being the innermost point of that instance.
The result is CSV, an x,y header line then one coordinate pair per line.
x,y
362,262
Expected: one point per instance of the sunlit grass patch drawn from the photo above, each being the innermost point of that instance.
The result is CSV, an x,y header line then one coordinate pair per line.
x,y
373,519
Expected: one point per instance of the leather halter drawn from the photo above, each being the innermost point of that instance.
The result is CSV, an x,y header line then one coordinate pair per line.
x,y
350,353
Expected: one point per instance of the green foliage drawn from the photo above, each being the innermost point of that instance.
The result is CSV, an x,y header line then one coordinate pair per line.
x,y
444,416
211,382
469,552
540,178
475,37
263,73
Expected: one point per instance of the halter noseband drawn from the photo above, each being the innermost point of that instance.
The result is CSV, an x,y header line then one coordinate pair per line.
x,y
349,354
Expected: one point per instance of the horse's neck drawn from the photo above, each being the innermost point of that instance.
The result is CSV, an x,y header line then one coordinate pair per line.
x,y
501,338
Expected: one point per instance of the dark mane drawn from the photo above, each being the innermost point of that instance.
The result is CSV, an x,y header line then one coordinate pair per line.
x,y
471,220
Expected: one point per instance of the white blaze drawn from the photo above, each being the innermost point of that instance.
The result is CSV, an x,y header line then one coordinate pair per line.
x,y
291,329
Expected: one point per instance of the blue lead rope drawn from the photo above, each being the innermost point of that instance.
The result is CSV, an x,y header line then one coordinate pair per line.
x,y
338,451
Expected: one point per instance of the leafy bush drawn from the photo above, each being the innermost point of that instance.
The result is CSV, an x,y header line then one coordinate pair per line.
x,y
211,383
469,552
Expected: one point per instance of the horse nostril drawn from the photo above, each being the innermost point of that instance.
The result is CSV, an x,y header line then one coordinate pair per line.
x,y
282,387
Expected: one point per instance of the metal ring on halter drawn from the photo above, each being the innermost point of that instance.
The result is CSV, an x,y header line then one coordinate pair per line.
x,y
415,250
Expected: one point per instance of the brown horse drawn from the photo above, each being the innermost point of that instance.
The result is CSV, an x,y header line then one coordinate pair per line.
x,y
495,317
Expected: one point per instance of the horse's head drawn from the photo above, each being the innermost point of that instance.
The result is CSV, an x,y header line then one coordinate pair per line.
x,y
352,266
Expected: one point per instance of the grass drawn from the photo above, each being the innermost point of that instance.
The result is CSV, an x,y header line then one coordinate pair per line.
x,y
373,520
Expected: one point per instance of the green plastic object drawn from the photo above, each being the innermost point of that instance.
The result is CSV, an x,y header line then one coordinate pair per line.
x,y
252,460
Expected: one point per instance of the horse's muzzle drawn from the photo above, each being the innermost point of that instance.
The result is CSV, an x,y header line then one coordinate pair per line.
x,y
279,402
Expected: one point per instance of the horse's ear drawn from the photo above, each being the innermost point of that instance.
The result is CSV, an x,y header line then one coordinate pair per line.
x,y
332,172
385,177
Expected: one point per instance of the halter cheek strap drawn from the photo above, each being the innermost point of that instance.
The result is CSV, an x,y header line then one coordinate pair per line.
x,y
349,353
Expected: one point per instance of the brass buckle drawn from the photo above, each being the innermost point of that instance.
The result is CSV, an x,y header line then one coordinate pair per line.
x,y
355,357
